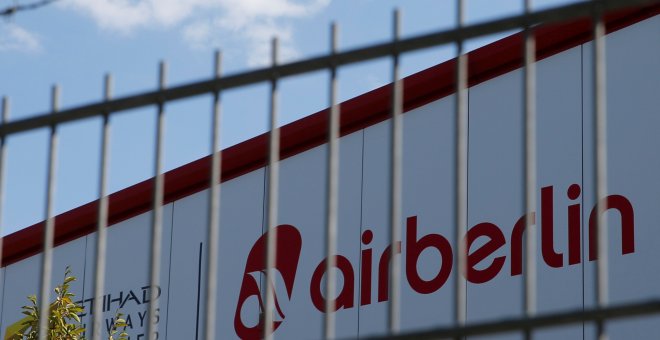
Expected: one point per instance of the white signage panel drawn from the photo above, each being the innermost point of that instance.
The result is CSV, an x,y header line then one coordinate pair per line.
x,y
241,218
428,276
302,205
559,121
127,276
633,108
426,265
22,279
496,192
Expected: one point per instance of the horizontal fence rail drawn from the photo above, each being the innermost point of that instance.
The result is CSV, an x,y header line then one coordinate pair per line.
x,y
537,322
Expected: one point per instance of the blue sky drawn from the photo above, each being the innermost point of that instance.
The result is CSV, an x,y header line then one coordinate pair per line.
x,y
75,42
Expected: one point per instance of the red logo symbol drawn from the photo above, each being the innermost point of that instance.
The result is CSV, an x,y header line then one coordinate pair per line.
x,y
289,244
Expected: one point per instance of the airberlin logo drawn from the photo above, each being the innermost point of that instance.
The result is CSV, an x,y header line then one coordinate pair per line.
x,y
289,244
491,238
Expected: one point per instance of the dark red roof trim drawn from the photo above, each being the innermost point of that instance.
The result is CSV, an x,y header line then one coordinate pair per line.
x,y
358,113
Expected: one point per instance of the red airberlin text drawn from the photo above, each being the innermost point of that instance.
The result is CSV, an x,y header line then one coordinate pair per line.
x,y
289,245
494,239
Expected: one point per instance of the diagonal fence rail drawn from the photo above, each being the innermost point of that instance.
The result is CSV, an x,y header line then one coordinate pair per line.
x,y
565,13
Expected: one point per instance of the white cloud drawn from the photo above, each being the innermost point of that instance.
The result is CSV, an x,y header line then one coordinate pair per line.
x,y
16,38
247,25
127,15
253,38
198,33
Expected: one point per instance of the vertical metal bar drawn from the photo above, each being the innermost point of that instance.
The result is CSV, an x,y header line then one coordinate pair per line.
x,y
529,156
332,199
214,210
49,225
600,161
3,152
461,160
273,191
395,182
157,211
102,219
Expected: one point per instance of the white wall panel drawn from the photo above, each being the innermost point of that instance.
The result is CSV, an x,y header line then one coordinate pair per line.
x,y
559,133
2,296
633,102
22,278
127,274
241,214
494,190
427,195
428,177
302,205
375,217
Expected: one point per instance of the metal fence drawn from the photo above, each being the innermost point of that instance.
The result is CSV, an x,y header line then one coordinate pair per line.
x,y
332,62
